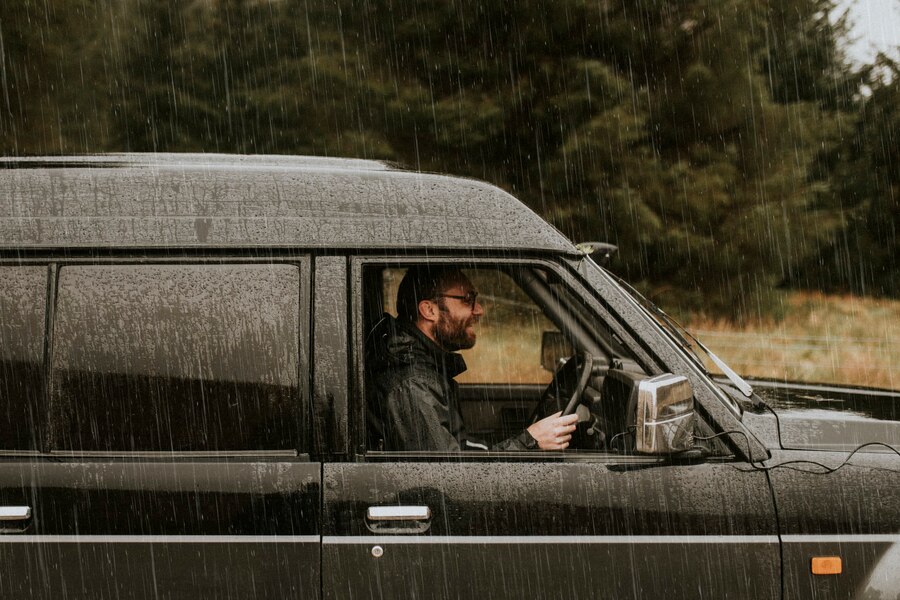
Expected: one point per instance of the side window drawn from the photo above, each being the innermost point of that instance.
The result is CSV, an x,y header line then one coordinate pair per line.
x,y
527,323
23,292
176,358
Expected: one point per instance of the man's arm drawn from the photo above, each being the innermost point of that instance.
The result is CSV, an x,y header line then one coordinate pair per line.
x,y
417,419
550,433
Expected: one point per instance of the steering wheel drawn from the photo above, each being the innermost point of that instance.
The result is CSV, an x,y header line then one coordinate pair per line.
x,y
565,390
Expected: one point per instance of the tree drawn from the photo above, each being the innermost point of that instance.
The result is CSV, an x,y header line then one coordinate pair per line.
x,y
863,256
804,58
54,74
650,125
714,142
243,76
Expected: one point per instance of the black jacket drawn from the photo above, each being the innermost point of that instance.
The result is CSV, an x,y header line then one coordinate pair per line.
x,y
412,398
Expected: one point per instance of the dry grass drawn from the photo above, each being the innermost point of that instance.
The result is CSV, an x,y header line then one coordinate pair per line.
x,y
835,339
821,338
831,339
508,355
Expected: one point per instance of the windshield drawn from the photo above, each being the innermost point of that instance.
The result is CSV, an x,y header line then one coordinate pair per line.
x,y
682,336
679,335
672,327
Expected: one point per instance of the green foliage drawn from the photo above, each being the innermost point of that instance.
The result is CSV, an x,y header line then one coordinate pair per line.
x,y
54,72
804,60
722,145
242,76
864,255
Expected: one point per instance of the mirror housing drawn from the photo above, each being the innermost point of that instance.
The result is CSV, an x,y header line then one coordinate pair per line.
x,y
664,419
601,252
555,348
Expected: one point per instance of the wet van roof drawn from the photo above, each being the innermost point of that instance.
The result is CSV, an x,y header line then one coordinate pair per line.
x,y
205,200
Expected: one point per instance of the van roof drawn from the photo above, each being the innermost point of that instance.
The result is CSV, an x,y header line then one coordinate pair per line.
x,y
228,201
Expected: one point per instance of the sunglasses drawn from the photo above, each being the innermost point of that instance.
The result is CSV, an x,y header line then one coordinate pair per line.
x,y
469,299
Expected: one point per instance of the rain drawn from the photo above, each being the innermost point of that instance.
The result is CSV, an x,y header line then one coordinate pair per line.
x,y
449,299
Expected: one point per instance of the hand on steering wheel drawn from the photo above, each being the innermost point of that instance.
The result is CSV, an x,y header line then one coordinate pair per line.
x,y
559,401
554,432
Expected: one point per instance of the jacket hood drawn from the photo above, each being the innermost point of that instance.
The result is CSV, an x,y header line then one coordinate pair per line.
x,y
393,343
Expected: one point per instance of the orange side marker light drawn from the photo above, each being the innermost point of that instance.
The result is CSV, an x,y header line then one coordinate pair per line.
x,y
826,565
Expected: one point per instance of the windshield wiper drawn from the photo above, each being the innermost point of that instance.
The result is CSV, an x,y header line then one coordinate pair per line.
x,y
679,331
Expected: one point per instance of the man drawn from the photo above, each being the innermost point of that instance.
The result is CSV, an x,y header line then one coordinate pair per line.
x,y
411,364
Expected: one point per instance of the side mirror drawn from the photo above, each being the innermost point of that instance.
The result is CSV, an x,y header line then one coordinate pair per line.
x,y
555,348
601,252
664,420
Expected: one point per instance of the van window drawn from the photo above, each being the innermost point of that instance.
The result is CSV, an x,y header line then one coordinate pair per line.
x,y
23,292
176,358
527,326
504,377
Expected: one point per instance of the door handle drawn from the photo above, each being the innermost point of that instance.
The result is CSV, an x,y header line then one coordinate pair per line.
x,y
15,513
398,513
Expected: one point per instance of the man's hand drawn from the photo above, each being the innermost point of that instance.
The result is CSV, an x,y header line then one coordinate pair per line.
x,y
554,432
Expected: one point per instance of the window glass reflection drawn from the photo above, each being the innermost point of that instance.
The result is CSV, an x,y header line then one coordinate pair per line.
x,y
23,292
176,358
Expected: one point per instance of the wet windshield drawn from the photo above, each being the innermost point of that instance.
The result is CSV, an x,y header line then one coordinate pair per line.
x,y
680,335
686,339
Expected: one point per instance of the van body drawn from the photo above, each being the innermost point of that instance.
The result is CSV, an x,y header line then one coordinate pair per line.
x,y
183,396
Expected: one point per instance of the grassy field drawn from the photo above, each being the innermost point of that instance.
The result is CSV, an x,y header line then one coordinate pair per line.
x,y
507,355
837,339
821,338
832,339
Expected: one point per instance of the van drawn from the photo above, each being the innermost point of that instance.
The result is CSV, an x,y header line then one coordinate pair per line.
x,y
183,389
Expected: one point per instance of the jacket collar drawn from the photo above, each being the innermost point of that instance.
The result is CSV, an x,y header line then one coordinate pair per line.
x,y
450,363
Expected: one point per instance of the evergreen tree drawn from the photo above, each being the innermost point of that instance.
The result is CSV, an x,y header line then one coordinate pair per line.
x,y
650,125
54,75
804,58
719,144
864,256
244,76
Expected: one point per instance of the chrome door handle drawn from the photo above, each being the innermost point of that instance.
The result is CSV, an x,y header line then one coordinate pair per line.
x,y
15,513
398,513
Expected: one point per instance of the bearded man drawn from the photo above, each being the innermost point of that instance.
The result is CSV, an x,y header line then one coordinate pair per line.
x,y
411,363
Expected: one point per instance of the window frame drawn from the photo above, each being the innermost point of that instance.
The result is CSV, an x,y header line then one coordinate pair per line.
x,y
302,260
357,360
41,420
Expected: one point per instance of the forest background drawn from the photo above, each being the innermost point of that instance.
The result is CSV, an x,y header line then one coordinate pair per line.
x,y
728,147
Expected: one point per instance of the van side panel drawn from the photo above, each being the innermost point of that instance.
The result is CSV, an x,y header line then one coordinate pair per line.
x,y
173,394
852,513
575,529
148,529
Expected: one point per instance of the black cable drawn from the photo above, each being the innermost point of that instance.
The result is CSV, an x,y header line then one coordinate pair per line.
x,y
826,469
629,431
761,404
787,464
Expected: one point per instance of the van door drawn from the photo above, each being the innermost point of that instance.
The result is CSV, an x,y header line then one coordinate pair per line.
x,y
536,524
165,456
535,527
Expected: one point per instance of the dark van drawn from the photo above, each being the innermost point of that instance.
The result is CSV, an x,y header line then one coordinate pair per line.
x,y
183,397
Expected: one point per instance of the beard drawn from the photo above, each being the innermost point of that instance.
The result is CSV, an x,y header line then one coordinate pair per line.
x,y
451,334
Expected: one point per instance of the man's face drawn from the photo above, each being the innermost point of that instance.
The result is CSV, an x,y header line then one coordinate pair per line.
x,y
455,327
